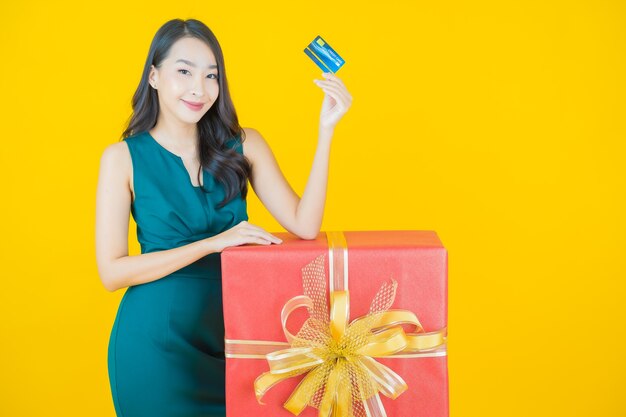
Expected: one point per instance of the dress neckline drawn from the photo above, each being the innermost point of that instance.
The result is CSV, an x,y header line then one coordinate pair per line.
x,y
178,157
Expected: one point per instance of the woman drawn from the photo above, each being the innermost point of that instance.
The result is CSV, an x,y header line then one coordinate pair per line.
x,y
182,170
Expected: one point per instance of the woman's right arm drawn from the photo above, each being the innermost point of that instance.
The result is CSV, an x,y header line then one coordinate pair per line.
x,y
113,199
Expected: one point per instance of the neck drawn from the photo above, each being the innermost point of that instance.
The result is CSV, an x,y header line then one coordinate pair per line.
x,y
180,136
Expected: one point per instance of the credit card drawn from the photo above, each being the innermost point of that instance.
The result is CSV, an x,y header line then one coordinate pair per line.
x,y
323,55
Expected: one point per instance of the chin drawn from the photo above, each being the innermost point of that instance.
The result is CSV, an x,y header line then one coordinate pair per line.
x,y
189,115
190,119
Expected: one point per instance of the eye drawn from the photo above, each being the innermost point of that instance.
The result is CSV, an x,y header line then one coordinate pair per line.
x,y
215,76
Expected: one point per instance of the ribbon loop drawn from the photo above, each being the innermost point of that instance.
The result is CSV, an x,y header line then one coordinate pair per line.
x,y
292,359
289,307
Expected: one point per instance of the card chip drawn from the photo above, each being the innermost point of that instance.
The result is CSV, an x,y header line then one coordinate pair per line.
x,y
320,42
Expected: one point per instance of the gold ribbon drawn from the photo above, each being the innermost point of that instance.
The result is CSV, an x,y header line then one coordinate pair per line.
x,y
342,378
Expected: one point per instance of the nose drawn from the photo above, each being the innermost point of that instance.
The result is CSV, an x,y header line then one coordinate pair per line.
x,y
197,89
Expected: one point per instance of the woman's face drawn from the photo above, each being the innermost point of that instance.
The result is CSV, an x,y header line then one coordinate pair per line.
x,y
187,76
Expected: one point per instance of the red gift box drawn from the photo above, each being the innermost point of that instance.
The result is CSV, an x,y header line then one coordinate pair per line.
x,y
258,281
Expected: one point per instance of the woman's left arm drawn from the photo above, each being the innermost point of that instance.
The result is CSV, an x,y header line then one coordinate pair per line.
x,y
300,216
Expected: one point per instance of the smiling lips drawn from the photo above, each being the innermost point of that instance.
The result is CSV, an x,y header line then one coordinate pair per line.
x,y
193,106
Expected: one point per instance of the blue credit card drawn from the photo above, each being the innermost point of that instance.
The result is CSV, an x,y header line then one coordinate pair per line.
x,y
323,55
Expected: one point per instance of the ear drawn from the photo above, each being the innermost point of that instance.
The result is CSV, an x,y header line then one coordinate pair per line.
x,y
153,77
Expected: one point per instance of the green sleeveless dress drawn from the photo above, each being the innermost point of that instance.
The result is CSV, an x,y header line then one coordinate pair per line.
x,y
166,347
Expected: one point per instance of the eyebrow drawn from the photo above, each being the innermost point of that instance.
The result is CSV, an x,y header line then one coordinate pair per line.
x,y
191,64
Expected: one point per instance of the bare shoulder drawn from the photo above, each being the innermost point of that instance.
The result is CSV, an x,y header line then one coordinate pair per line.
x,y
254,144
116,155
115,162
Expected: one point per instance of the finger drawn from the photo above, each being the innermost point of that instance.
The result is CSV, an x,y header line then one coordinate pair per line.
x,y
340,106
337,87
338,95
260,241
270,239
340,88
261,233
275,239
336,80
255,238
332,76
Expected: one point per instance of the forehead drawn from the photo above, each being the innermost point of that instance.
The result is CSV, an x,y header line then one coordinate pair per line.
x,y
192,50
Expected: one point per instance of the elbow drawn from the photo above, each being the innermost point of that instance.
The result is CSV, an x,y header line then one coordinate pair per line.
x,y
107,281
109,287
305,228
108,284
309,235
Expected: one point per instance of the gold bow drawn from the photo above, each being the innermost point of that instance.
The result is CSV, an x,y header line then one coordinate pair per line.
x,y
342,377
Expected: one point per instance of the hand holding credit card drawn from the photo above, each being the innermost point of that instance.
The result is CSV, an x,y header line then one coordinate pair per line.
x,y
323,55
337,99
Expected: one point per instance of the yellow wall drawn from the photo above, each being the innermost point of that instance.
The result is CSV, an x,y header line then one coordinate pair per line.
x,y
499,124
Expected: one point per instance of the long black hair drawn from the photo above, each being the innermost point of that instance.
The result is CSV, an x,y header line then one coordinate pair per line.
x,y
215,128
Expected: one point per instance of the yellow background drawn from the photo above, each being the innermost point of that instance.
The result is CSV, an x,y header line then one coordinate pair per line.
x,y
498,124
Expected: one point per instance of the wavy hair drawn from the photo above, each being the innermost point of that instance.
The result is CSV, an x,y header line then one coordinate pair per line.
x,y
220,123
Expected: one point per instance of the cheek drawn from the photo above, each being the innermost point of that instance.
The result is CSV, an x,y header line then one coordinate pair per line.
x,y
178,87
